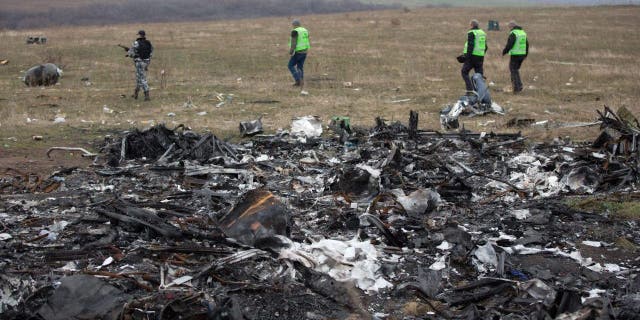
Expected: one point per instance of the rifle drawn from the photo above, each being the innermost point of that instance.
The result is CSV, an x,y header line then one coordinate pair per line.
x,y
123,47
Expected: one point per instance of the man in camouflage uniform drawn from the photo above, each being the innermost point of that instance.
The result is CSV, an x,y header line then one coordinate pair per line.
x,y
141,52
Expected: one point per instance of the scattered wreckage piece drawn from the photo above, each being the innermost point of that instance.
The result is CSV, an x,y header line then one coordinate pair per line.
x,y
16,181
250,128
307,126
36,40
258,215
46,74
84,151
84,296
165,145
475,103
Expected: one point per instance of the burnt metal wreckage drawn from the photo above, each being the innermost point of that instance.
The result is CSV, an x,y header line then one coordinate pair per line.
x,y
383,223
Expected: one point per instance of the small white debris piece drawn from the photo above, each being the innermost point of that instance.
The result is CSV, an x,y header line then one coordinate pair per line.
x,y
593,293
59,120
70,266
596,244
58,226
521,214
171,114
180,281
497,108
372,171
304,93
201,113
5,236
439,264
612,267
106,262
444,246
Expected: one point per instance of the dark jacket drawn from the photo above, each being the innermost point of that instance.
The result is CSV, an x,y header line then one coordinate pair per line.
x,y
512,40
471,42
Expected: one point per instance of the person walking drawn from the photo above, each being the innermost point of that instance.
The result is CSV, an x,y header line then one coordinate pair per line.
x,y
473,54
141,52
298,47
518,49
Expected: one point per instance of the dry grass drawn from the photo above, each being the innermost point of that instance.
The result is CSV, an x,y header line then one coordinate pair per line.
x,y
590,48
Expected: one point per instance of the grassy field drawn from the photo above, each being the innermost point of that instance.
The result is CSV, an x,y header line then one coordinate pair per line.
x,y
581,59
451,3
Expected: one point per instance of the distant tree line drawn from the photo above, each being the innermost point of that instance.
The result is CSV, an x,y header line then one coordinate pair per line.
x,y
171,11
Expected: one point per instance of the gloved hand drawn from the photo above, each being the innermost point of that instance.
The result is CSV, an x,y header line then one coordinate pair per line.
x,y
461,58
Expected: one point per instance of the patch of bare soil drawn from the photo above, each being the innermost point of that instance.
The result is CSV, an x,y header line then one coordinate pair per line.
x,y
35,161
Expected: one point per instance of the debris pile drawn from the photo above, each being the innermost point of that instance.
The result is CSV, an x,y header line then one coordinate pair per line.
x,y
36,40
46,74
172,223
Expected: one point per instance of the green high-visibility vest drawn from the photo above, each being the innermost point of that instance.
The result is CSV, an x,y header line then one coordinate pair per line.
x,y
302,42
520,46
480,43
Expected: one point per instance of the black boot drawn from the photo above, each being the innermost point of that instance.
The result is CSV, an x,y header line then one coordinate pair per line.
x,y
146,96
135,93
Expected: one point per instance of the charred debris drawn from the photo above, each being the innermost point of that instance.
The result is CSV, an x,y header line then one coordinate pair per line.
x,y
385,223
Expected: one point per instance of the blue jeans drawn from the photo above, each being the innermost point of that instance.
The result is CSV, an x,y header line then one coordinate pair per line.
x,y
296,65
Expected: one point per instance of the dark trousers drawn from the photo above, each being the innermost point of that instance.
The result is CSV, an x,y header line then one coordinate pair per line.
x,y
475,63
296,66
514,68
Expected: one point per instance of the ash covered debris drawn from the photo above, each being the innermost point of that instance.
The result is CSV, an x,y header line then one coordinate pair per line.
x,y
166,145
380,225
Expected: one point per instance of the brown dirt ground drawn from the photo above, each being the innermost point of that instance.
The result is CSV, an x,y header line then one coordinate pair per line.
x,y
35,161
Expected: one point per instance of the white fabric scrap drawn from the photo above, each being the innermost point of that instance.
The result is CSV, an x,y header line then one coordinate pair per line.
x,y
307,126
521,214
439,264
70,266
444,246
596,244
486,254
349,261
